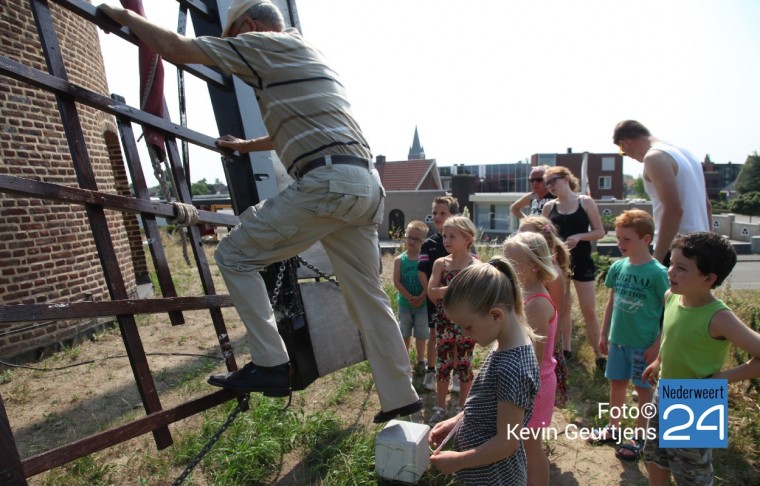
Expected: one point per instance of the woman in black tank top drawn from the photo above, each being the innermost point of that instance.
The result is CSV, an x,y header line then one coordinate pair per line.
x,y
572,224
578,223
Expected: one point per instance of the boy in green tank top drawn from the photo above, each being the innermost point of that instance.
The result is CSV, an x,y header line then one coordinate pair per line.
x,y
697,333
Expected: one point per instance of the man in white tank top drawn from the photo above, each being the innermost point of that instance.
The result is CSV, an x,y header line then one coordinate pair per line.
x,y
674,180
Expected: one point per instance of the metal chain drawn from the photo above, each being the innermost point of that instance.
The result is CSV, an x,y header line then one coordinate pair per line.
x,y
214,438
317,271
278,284
287,312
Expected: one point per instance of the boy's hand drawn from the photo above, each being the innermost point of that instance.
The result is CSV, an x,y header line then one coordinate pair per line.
x,y
652,351
603,345
417,300
650,374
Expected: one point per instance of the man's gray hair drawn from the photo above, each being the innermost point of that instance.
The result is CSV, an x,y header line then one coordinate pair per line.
x,y
268,14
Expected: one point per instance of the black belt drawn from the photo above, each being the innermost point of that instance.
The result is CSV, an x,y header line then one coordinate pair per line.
x,y
335,160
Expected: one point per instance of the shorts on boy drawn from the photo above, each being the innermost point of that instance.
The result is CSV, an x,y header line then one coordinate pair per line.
x,y
626,363
414,322
687,465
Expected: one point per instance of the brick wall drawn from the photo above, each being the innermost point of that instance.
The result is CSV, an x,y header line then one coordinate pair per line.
x,y
134,234
47,253
574,162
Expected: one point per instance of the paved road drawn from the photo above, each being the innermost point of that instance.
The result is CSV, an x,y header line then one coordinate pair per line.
x,y
746,274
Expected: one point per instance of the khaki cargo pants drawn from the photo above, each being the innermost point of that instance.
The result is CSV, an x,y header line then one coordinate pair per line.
x,y
339,205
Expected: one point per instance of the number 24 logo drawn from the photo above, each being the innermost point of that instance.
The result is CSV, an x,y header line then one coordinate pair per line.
x,y
668,434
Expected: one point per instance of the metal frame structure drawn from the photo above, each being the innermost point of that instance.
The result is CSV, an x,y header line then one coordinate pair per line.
x,y
247,187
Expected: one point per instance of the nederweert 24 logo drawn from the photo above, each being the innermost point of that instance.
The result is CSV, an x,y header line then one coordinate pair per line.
x,y
693,413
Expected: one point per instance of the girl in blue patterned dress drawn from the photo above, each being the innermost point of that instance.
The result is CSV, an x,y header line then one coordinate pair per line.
x,y
486,302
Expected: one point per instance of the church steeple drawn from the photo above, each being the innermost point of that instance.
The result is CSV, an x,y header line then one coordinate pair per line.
x,y
416,152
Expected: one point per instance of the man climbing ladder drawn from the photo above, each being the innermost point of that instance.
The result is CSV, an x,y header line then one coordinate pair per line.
x,y
337,197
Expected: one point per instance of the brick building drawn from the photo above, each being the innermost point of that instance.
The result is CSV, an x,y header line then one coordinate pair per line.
x,y
410,185
718,177
605,171
47,253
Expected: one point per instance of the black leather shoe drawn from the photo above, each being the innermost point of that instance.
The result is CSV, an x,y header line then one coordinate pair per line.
x,y
383,417
272,381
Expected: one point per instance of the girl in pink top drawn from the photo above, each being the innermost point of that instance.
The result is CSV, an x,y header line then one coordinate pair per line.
x,y
530,256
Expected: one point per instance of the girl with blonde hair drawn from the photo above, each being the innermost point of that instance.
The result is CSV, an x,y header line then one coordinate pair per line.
x,y
487,303
529,255
558,288
453,349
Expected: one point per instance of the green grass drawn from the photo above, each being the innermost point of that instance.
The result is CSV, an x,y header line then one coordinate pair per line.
x,y
5,377
744,397
333,452
486,252
346,457
251,448
86,471
255,444
357,377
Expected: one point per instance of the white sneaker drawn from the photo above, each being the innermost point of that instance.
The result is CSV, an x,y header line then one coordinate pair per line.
x,y
421,368
455,384
439,414
429,382
635,395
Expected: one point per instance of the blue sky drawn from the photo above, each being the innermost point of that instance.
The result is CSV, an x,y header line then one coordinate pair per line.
x,y
496,81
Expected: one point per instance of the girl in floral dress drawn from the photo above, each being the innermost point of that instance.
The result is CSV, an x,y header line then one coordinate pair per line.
x,y
453,349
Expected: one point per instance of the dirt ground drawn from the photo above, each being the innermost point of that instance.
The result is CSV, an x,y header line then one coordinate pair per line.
x,y
49,408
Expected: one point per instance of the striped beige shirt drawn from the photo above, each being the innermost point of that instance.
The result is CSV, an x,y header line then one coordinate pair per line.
x,y
302,102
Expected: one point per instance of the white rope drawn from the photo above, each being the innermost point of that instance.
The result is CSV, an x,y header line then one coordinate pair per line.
x,y
184,214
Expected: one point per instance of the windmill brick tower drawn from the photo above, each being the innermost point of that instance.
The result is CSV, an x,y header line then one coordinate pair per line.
x,y
47,253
